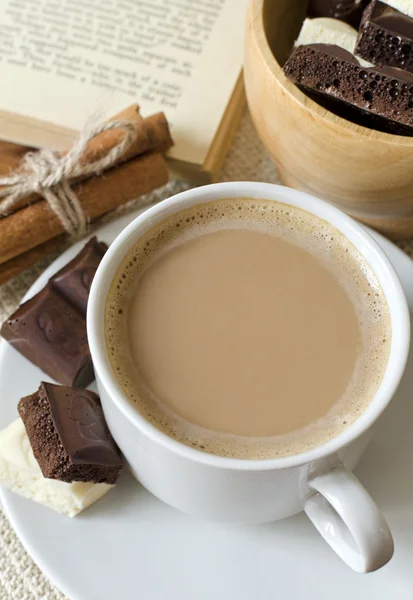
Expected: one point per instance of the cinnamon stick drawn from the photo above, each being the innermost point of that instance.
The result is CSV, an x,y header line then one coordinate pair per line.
x,y
11,154
152,134
20,263
37,223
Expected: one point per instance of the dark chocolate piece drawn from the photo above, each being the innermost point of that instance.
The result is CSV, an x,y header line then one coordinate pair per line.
x,y
381,95
69,436
52,335
386,37
346,10
74,280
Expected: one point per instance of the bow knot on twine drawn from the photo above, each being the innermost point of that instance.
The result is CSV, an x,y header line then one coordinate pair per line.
x,y
50,174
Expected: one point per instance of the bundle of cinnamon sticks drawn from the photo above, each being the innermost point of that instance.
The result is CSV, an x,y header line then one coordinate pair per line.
x,y
33,230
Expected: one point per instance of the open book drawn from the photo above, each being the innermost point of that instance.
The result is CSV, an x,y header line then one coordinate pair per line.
x,y
64,62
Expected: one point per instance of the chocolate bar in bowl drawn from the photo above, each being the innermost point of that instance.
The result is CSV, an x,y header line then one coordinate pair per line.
x,y
386,36
377,97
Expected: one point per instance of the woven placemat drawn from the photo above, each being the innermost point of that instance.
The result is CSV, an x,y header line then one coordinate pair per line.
x,y
247,160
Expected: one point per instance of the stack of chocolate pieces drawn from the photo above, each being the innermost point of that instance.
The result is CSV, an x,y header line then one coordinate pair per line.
x,y
60,453
50,328
69,436
379,95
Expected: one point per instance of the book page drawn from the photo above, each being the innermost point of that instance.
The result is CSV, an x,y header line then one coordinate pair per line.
x,y
66,61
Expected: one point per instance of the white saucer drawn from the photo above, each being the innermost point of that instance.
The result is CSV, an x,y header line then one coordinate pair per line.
x,y
130,545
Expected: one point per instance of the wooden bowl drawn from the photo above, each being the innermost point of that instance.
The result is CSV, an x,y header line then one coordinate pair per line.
x,y
366,173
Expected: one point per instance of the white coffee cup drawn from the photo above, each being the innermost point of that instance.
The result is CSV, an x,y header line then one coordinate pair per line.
x,y
319,481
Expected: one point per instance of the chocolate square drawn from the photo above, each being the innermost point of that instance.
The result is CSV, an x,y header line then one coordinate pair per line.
x,y
378,97
74,280
52,335
386,37
69,436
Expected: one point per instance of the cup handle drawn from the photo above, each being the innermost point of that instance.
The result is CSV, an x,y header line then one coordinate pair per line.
x,y
349,520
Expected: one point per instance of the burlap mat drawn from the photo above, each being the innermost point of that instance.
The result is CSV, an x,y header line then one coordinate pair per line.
x,y
247,160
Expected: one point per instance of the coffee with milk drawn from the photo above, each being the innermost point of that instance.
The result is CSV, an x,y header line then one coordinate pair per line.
x,y
247,328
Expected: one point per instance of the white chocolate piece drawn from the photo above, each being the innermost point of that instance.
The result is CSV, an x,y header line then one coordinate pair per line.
x,y
20,472
329,31
403,6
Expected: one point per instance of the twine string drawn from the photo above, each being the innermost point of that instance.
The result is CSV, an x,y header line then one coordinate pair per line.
x,y
50,174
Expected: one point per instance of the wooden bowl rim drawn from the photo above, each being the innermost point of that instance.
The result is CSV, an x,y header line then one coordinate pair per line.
x,y
316,111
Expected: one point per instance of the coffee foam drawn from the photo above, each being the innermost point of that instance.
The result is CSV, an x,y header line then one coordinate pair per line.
x,y
331,248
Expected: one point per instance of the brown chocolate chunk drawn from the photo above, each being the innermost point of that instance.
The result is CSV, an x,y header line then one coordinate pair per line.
x,y
52,335
345,10
379,97
386,37
69,436
74,280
